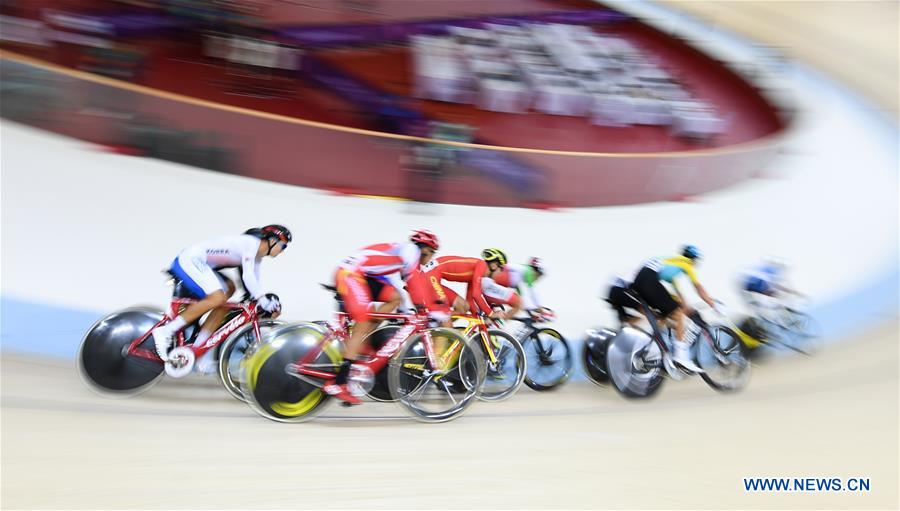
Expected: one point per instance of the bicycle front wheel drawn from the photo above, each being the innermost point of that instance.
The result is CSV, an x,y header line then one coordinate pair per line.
x,y
548,358
277,392
802,332
506,364
722,358
436,394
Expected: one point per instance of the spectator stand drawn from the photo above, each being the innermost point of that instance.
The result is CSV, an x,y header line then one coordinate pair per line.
x,y
558,69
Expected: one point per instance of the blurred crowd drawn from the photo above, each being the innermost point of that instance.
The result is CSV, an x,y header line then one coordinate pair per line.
x,y
118,38
558,69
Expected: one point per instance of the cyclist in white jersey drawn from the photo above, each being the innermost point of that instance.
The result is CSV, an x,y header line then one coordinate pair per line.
x,y
766,289
196,267
523,278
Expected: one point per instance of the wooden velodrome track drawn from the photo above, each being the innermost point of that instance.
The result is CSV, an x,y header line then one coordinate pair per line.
x,y
188,445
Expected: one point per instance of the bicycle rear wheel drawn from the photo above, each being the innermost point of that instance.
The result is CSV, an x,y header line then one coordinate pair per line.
x,y
231,355
722,358
103,362
270,387
548,359
432,394
593,355
634,364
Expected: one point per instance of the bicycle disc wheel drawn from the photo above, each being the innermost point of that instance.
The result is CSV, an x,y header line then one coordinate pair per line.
x,y
102,362
431,394
506,375
275,393
594,366
548,359
231,354
634,364
719,354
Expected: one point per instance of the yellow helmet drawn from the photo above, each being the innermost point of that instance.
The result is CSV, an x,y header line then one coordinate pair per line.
x,y
494,254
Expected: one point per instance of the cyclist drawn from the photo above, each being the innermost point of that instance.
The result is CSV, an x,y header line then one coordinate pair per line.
x,y
376,272
196,267
495,293
649,285
522,278
764,288
427,287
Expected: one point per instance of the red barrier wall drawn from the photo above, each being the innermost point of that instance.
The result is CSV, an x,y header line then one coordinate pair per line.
x,y
270,147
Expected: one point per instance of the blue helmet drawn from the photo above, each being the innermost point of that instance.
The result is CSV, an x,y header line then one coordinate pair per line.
x,y
691,252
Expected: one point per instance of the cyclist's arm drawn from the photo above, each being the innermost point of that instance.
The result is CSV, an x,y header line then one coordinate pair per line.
x,y
474,290
250,276
396,281
515,305
701,291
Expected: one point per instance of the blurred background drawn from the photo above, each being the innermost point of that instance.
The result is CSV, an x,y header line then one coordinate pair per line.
x,y
594,135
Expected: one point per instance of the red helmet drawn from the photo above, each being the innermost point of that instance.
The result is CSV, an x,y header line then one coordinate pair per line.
x,y
424,237
277,231
537,264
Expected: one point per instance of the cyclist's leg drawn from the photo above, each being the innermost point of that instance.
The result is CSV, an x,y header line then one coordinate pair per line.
x,y
388,296
619,299
215,318
460,305
204,283
649,287
354,290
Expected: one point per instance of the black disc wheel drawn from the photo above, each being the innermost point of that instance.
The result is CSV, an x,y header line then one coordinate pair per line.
x,y
103,360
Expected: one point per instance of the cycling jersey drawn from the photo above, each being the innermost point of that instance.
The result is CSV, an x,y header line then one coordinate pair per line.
x,y
763,279
648,281
670,268
522,278
391,263
196,265
429,291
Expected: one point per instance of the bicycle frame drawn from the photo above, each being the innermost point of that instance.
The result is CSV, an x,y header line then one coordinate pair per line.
x,y
247,314
477,323
528,331
778,333
659,339
412,324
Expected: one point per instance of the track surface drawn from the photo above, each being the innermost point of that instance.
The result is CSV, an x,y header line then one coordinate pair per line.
x,y
834,415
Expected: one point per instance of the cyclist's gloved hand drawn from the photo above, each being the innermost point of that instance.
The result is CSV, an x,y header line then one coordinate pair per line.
x,y
269,303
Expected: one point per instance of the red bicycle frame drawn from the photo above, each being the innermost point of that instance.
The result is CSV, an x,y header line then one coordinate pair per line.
x,y
412,324
248,315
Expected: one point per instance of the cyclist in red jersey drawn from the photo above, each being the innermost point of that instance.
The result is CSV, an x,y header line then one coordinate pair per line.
x,y
427,288
377,272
